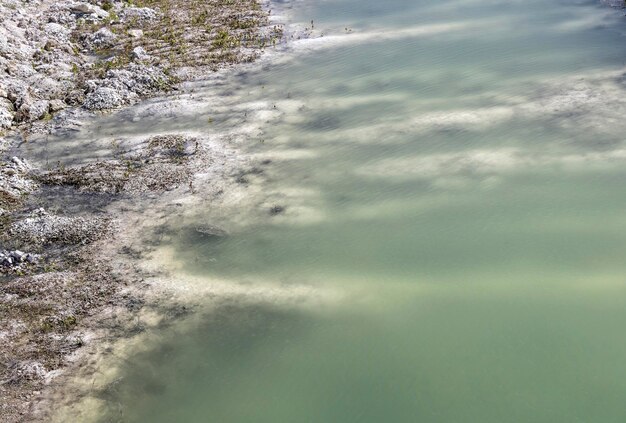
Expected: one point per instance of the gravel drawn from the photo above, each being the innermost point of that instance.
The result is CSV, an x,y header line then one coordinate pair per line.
x,y
43,228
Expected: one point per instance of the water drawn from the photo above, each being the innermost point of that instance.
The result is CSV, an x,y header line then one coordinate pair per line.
x,y
453,176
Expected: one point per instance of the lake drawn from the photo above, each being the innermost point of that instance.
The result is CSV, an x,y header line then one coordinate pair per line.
x,y
444,230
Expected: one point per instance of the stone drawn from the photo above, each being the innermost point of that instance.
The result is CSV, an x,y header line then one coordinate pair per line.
x,y
135,33
139,14
103,98
57,31
6,113
32,110
32,258
57,105
139,53
277,210
103,38
22,165
17,253
211,231
82,9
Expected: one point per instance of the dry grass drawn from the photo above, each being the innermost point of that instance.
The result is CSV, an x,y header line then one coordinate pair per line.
x,y
39,315
42,319
161,164
209,33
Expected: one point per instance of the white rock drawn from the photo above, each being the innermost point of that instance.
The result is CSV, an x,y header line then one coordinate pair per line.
x,y
103,38
6,113
56,105
140,14
31,111
139,53
103,98
89,9
135,33
56,31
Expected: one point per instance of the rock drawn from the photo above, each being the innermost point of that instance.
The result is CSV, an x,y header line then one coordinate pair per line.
x,y
21,165
32,258
14,259
56,105
31,370
139,53
211,231
5,48
14,181
18,255
124,86
13,95
31,111
103,98
139,14
103,38
277,210
6,113
83,9
135,33
57,32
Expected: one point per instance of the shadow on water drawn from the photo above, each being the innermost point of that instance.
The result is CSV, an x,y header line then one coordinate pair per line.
x,y
193,361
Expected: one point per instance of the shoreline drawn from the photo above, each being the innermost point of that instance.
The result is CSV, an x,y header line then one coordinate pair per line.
x,y
71,265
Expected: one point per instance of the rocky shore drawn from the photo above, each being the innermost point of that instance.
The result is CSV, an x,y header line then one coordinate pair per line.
x,y
63,61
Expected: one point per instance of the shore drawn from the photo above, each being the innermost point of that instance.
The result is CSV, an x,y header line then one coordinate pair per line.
x,y
73,231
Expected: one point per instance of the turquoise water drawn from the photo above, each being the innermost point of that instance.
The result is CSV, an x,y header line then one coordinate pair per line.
x,y
452,176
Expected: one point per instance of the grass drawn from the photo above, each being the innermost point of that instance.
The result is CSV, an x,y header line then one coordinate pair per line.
x,y
211,33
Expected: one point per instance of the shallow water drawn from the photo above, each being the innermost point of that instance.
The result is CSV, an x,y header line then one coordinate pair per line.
x,y
452,176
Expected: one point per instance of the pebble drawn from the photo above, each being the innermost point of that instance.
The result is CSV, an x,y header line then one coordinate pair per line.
x,y
15,258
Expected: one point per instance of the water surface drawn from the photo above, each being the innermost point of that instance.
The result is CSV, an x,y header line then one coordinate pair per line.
x,y
453,171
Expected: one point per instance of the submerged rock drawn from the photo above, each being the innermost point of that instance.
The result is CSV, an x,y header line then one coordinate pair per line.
x,y
614,3
200,234
277,210
210,231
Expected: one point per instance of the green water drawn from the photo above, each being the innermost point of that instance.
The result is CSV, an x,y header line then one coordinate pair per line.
x,y
454,181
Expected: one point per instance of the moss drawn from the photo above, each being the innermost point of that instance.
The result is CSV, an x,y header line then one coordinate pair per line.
x,y
107,5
